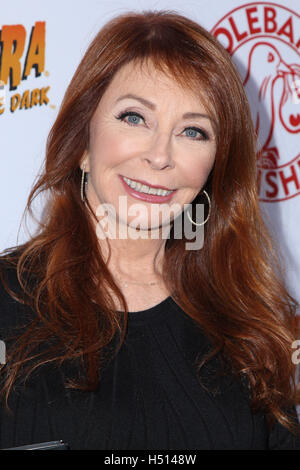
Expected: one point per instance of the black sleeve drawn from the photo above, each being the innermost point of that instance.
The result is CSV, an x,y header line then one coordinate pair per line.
x,y
282,439
14,315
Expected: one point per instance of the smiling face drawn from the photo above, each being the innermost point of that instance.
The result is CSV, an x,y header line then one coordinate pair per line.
x,y
148,128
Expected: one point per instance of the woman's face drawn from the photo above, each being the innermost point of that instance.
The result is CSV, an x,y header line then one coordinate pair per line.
x,y
147,128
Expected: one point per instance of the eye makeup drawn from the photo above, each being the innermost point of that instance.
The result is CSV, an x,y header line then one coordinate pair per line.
x,y
204,135
124,114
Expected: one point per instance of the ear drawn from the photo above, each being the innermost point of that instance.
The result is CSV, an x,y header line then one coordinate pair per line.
x,y
85,160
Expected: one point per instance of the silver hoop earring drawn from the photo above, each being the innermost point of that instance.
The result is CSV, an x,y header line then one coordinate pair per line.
x,y
82,183
208,215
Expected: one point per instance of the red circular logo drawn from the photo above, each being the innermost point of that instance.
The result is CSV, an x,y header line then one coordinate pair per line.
x,y
264,42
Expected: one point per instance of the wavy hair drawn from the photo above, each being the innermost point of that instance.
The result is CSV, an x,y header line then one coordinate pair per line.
x,y
242,304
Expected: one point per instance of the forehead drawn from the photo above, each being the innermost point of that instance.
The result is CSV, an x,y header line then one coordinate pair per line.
x,y
146,79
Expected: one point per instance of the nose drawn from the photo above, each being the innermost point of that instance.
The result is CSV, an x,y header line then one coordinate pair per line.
x,y
159,155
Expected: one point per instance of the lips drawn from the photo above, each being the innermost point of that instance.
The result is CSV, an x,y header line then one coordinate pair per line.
x,y
150,185
147,197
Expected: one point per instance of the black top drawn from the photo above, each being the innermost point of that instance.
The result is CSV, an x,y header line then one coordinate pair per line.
x,y
149,396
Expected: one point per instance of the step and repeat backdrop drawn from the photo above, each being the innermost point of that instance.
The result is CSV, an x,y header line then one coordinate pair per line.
x,y
41,44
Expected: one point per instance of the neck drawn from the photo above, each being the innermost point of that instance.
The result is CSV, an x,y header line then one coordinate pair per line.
x,y
138,255
135,259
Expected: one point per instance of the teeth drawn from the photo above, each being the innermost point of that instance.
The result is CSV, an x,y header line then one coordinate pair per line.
x,y
143,188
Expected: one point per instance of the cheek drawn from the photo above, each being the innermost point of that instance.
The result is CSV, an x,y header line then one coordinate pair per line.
x,y
196,170
108,150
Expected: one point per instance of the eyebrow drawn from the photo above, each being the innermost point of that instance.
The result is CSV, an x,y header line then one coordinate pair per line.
x,y
152,106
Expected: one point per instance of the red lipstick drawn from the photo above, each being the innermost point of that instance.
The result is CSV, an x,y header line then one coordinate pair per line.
x,y
148,197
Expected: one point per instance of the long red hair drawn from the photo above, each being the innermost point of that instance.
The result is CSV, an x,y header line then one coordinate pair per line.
x,y
232,287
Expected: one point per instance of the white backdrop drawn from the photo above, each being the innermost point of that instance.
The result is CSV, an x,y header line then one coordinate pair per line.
x,y
263,38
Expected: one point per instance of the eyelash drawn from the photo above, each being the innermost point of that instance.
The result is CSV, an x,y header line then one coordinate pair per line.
x,y
123,115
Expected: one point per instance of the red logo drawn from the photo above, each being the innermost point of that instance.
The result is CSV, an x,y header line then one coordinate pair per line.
x,y
263,40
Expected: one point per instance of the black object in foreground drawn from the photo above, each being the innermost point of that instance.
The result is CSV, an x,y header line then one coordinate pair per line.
x,y
52,445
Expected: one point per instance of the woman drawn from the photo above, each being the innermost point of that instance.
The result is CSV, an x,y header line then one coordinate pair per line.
x,y
140,341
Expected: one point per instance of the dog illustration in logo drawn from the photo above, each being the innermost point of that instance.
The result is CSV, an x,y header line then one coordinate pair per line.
x,y
266,65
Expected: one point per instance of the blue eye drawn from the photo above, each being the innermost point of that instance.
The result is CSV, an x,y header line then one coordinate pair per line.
x,y
133,117
195,133
191,133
